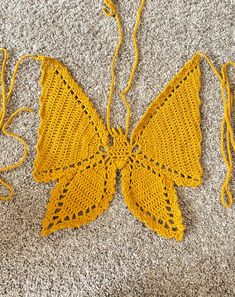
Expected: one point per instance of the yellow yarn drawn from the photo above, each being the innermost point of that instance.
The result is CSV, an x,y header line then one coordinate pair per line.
x,y
82,154
228,142
114,12
3,126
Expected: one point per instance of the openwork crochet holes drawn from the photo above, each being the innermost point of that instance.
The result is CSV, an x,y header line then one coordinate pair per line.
x,y
74,147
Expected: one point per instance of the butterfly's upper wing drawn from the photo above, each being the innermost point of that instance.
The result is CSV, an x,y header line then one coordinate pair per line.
x,y
70,135
168,139
169,133
71,129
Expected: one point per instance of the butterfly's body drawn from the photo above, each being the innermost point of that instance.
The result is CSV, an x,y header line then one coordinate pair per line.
x,y
121,150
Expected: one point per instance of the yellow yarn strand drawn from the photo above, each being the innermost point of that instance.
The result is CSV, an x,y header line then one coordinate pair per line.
x,y
226,133
3,126
135,65
226,127
112,11
3,103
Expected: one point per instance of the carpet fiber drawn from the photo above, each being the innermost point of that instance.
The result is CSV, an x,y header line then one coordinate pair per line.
x,y
116,255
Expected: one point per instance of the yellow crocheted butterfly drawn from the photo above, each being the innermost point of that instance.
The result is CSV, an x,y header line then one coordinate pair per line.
x,y
76,148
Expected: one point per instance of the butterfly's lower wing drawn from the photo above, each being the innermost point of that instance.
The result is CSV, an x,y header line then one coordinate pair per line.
x,y
80,196
151,197
71,130
169,133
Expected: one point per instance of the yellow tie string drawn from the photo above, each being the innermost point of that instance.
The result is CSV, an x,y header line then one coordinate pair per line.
x,y
111,10
227,138
3,126
226,127
135,65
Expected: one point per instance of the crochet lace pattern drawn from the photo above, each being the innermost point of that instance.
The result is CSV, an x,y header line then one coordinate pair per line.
x,y
76,148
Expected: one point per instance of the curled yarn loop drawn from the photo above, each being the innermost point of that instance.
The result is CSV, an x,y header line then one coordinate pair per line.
x,y
109,8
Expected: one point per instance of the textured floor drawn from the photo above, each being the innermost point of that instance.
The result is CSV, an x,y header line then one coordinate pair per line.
x,y
116,255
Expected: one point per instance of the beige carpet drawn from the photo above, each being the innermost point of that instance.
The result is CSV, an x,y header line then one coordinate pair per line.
x,y
116,255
